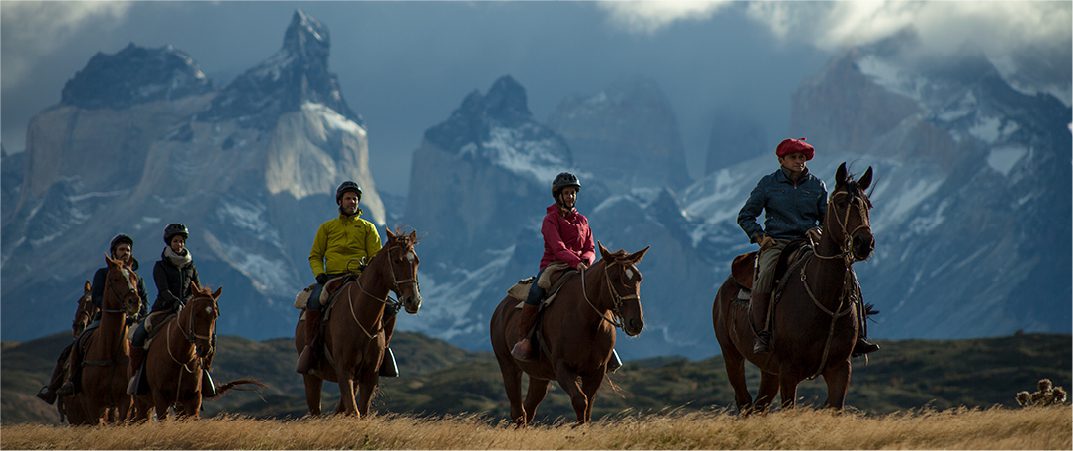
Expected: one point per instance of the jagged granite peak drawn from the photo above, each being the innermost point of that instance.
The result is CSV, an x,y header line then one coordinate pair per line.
x,y
133,76
294,76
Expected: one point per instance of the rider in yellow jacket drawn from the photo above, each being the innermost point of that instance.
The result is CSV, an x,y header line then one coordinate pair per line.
x,y
340,247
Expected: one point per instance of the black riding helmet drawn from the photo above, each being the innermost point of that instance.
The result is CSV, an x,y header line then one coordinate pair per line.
x,y
563,180
175,229
117,240
347,186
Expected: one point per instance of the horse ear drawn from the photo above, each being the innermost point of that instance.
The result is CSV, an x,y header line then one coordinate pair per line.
x,y
87,287
390,235
637,256
194,287
413,236
108,261
216,294
604,253
841,175
865,179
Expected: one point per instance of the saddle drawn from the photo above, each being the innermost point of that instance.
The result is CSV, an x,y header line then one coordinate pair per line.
x,y
153,325
552,280
743,268
327,294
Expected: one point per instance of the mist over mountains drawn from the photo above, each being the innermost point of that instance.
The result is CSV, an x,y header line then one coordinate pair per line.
x,y
972,200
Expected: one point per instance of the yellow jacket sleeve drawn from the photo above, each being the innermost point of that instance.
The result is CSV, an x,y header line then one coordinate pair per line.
x,y
316,253
372,241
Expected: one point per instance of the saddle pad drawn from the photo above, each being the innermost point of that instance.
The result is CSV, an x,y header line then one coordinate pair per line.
x,y
742,269
554,291
301,300
520,290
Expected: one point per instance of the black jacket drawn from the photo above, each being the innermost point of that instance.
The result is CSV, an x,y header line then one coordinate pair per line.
x,y
97,293
172,284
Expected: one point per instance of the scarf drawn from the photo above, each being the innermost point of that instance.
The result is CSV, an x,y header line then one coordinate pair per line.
x,y
179,260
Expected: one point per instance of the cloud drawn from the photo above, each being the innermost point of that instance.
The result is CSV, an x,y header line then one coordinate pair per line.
x,y
647,17
32,29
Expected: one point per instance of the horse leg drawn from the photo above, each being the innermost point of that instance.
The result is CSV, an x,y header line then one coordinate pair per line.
x,y
735,368
313,386
512,383
769,387
837,378
538,389
125,405
788,389
160,404
568,380
367,384
346,390
590,383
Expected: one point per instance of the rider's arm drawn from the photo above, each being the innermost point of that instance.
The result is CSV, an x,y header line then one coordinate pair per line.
x,y
821,204
751,210
145,298
163,294
588,251
372,240
97,293
551,237
316,253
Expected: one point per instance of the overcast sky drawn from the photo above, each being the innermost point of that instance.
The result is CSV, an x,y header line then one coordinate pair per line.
x,y
406,66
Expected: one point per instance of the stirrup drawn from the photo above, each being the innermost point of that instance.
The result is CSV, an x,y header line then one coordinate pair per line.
x,y
67,389
47,395
762,345
614,363
388,368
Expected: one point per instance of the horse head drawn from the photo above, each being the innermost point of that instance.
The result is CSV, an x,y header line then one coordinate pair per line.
x,y
120,288
402,262
847,214
624,283
85,311
201,311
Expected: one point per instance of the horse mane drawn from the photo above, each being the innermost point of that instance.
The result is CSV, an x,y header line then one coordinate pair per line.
x,y
203,290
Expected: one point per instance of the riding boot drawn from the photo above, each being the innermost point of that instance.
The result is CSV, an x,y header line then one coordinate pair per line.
x,y
523,350
614,363
208,387
308,359
758,311
388,368
863,346
74,362
59,372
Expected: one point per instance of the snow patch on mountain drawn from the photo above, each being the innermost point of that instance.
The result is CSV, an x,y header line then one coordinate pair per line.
x,y
1004,158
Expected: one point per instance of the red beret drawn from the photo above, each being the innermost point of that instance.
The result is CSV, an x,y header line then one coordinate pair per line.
x,y
790,145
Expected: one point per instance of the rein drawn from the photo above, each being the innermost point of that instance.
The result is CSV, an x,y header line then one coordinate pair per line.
x,y
846,292
386,300
191,336
616,299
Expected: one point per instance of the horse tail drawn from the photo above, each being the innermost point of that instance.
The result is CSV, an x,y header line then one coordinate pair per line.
x,y
235,383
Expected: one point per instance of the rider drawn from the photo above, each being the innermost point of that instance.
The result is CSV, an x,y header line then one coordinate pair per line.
x,y
172,275
120,248
794,202
342,245
568,240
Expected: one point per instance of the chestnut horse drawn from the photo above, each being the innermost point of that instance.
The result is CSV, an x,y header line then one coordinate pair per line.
x,y
176,356
70,407
354,339
85,311
577,334
104,376
815,322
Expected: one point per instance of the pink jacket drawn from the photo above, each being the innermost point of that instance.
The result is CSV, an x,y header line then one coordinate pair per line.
x,y
567,239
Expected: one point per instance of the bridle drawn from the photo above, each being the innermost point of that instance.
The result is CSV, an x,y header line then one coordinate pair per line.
x,y
846,246
616,299
392,303
131,292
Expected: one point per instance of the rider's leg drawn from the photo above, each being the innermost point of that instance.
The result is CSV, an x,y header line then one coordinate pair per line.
x,y
761,297
137,356
48,392
863,346
389,368
308,358
74,362
523,350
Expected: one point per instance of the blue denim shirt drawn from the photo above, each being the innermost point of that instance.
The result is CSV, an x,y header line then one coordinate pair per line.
x,y
790,210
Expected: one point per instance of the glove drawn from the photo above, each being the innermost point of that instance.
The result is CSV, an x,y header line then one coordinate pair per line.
x,y
322,279
766,241
814,234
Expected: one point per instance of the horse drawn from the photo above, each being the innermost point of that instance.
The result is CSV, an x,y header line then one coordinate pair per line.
x,y
354,341
70,407
815,324
104,376
576,334
176,356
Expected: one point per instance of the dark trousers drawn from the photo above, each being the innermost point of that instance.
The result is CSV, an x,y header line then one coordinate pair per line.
x,y
536,293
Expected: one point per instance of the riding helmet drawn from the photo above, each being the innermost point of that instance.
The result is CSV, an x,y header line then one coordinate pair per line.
x,y
347,186
119,239
563,180
175,229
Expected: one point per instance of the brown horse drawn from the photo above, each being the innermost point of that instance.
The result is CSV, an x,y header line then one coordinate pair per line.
x,y
177,355
70,407
577,334
104,376
354,340
815,322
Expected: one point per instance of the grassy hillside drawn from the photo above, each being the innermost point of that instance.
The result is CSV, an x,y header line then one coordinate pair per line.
x,y
439,379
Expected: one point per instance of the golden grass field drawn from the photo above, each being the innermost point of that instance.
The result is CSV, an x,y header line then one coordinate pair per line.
x,y
998,428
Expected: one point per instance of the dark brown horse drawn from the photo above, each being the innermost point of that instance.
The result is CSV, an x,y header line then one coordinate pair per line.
x,y
354,340
70,407
815,322
577,334
104,374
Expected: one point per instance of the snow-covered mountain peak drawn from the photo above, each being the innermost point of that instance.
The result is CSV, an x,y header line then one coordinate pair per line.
x,y
306,36
133,76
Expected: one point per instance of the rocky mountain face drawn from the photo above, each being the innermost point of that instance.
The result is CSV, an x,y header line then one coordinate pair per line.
x,y
160,145
626,135
733,139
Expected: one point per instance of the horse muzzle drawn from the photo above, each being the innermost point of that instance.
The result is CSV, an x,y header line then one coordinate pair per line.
x,y
411,303
863,245
633,326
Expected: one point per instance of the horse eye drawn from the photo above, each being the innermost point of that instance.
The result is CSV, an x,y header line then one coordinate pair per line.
x,y
208,309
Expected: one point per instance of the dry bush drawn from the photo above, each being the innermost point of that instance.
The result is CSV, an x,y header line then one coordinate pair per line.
x,y
997,428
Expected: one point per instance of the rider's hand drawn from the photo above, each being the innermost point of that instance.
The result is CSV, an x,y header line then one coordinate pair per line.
x,y
765,241
582,266
814,234
322,279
